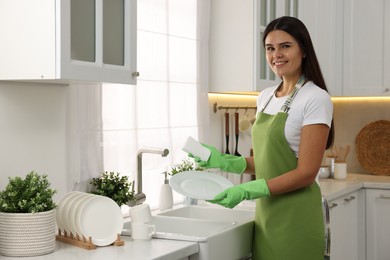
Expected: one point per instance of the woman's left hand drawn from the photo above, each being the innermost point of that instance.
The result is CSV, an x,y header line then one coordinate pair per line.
x,y
232,196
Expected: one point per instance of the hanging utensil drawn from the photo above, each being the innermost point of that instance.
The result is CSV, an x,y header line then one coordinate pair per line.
x,y
237,131
227,132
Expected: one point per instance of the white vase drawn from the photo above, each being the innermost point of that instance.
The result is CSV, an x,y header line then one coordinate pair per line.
x,y
27,234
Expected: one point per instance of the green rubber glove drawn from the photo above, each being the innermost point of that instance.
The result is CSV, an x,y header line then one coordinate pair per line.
x,y
225,162
230,197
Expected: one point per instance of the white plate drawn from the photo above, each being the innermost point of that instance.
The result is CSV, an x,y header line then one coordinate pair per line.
x,y
199,184
101,219
60,208
65,212
77,214
74,204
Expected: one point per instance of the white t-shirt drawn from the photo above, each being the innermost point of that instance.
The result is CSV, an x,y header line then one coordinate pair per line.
x,y
312,105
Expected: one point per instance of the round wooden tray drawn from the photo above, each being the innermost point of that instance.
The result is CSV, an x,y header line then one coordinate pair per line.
x,y
373,147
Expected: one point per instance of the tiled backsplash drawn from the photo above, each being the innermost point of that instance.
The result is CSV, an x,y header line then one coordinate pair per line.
x,y
350,116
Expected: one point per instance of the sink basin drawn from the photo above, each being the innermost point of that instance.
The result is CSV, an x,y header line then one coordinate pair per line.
x,y
188,229
221,233
210,213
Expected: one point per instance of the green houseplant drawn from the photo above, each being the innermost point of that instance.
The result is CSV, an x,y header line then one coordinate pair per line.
x,y
27,216
30,195
185,165
114,186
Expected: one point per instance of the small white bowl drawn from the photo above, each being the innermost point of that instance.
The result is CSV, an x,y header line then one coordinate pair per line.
x,y
324,172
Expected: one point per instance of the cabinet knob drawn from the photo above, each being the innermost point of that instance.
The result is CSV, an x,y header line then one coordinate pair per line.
x,y
135,74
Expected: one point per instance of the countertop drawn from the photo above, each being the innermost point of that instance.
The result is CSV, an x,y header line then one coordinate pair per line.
x,y
170,249
332,188
132,249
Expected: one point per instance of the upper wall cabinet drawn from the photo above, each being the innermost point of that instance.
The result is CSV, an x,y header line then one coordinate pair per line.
x,y
68,40
324,20
231,46
366,54
265,12
351,39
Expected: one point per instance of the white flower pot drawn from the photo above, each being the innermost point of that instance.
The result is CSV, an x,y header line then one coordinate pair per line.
x,y
27,234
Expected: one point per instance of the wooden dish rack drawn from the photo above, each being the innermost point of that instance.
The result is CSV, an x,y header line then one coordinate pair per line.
x,y
83,242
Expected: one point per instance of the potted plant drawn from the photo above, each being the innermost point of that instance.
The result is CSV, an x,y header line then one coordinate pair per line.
x,y
114,186
27,216
185,165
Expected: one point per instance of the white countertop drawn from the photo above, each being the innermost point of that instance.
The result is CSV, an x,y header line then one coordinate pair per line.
x,y
171,249
332,188
160,249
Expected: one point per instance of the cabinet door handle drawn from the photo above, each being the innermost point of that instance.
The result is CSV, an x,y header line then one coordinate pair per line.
x,y
349,199
384,196
332,205
135,74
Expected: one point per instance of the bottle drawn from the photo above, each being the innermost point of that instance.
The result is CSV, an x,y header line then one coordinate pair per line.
x,y
166,197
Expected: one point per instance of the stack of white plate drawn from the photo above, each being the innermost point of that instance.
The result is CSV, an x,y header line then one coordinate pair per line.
x,y
88,215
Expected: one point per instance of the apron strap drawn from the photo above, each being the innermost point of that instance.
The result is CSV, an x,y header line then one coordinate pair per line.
x,y
286,107
287,104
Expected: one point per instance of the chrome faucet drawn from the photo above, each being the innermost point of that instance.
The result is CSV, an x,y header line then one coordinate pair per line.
x,y
140,196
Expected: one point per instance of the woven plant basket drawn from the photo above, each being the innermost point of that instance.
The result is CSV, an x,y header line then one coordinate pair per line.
x,y
373,147
27,234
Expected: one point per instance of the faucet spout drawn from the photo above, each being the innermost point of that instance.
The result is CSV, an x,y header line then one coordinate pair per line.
x,y
140,196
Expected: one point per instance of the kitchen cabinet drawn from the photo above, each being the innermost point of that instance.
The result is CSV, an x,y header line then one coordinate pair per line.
x,y
366,58
349,36
231,46
347,226
322,19
265,12
378,226
350,39
68,40
237,61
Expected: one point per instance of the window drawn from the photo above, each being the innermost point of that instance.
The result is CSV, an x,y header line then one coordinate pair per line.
x,y
161,111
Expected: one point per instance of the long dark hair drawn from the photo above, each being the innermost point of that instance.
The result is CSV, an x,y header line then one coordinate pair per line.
x,y
310,65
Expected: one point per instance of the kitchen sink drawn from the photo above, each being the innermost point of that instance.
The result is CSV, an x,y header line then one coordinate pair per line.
x,y
221,233
210,213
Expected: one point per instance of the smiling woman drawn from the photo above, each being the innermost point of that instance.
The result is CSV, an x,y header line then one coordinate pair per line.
x,y
163,109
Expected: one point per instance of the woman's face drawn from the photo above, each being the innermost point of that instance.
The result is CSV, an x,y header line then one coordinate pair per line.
x,y
284,54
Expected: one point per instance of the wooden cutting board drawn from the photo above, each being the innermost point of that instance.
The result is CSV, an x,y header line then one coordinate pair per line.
x,y
373,147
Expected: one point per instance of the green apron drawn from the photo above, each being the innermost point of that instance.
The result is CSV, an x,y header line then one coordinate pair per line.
x,y
288,226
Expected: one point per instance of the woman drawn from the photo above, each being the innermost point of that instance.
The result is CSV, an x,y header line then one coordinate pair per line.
x,y
293,128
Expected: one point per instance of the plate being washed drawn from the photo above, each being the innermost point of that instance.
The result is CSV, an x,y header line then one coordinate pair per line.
x,y
199,184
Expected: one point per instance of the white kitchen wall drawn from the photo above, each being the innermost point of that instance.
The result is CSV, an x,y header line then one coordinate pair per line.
x,y
33,132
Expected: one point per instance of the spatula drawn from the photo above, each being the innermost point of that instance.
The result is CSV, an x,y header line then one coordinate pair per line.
x,y
237,131
227,132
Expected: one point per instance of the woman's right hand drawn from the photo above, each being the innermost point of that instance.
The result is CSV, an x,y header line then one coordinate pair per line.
x,y
225,162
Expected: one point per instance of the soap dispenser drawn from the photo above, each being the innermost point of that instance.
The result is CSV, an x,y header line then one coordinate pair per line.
x,y
166,197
